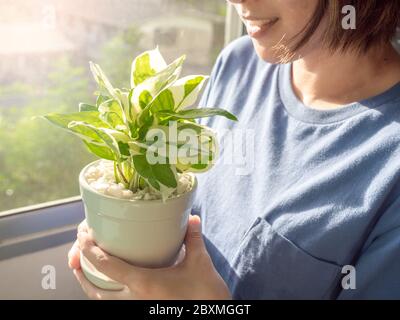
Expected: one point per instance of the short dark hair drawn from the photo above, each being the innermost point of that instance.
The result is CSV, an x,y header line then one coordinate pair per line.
x,y
376,23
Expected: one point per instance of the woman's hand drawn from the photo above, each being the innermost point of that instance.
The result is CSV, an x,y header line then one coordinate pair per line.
x,y
192,278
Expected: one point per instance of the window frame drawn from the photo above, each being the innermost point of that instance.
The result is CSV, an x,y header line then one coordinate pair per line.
x,y
233,25
29,229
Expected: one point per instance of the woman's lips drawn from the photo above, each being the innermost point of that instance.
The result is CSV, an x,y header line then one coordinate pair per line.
x,y
258,28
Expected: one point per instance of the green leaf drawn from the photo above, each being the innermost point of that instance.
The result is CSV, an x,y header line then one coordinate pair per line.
x,y
202,154
102,79
85,129
192,125
143,168
111,138
112,113
155,85
185,90
160,173
200,167
62,120
100,151
132,111
100,99
164,174
199,113
124,148
144,99
85,133
86,107
146,65
142,69
125,103
163,102
194,148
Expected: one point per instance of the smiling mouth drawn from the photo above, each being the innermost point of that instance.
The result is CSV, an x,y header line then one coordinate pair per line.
x,y
259,27
259,22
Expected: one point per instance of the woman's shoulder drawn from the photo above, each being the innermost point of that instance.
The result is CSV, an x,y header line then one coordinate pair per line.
x,y
238,48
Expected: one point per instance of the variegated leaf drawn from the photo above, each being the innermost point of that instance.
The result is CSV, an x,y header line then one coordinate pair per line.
x,y
102,79
149,89
186,90
146,65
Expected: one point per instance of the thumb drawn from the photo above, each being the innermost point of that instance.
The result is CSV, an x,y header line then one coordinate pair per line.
x,y
194,242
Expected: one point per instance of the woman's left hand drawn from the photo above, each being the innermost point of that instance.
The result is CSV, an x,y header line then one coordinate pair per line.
x,y
193,278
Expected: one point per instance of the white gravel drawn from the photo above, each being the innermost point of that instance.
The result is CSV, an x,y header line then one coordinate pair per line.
x,y
100,176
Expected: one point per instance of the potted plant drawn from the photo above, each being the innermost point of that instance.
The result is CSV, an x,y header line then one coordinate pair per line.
x,y
138,196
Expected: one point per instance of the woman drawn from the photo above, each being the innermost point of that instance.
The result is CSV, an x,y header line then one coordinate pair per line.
x,y
318,214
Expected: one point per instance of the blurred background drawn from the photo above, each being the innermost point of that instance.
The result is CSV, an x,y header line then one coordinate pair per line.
x,y
45,46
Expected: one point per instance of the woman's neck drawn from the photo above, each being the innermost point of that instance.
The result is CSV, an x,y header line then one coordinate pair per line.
x,y
325,80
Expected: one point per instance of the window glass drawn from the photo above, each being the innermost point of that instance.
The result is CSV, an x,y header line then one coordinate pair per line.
x,y
44,53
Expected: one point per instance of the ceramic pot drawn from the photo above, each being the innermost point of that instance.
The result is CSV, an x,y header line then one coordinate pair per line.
x,y
145,233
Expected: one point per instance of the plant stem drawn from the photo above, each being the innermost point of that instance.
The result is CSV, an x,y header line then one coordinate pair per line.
x,y
137,180
115,173
122,175
134,185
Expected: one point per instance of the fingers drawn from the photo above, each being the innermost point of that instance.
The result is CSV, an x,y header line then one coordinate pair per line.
x,y
194,237
112,267
74,256
74,252
180,258
82,227
94,292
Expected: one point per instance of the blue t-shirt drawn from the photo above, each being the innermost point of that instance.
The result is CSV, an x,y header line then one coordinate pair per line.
x,y
300,194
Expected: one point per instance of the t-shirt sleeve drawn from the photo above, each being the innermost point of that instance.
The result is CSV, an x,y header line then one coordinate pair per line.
x,y
377,270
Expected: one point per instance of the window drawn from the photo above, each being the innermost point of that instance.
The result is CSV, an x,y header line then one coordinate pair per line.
x,y
46,46
167,36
